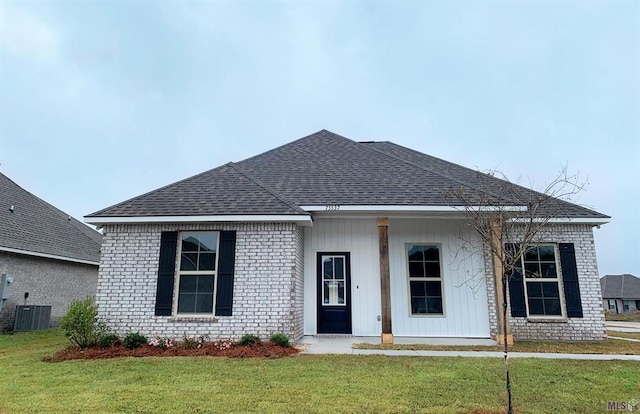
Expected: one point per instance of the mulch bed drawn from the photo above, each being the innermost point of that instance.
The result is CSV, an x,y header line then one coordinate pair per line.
x,y
262,350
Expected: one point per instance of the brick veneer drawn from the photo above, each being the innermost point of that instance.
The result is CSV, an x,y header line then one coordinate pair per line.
x,y
49,282
588,328
268,282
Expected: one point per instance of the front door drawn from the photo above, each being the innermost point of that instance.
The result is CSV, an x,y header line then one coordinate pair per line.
x,y
334,293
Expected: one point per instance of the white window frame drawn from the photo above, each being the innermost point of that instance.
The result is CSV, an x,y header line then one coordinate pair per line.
x,y
557,279
611,304
626,305
407,246
344,278
179,273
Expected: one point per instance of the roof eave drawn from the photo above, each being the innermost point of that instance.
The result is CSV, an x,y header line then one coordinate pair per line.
x,y
407,208
47,256
303,220
594,221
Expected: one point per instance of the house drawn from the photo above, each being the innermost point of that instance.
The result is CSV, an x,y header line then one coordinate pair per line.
x,y
620,293
325,235
51,257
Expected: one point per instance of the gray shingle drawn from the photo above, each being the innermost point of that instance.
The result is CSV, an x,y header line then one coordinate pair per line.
x,y
620,287
486,183
325,168
37,226
222,191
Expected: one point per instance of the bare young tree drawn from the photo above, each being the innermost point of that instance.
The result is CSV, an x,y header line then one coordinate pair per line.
x,y
509,218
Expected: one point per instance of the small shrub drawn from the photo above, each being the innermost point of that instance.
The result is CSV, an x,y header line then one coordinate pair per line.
x,y
108,340
80,323
280,339
223,344
249,339
193,342
134,340
162,343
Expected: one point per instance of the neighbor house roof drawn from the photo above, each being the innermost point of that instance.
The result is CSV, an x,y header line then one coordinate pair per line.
x,y
624,286
327,169
29,225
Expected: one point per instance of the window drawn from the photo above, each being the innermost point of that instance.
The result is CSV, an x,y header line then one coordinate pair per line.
x,y
197,271
542,281
611,303
333,280
626,305
425,280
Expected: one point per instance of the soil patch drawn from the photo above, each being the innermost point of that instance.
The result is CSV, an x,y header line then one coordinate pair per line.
x,y
262,350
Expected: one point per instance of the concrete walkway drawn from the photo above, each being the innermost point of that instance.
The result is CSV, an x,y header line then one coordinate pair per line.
x,y
343,345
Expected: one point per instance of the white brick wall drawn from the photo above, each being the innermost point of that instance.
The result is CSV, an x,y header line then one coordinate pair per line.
x,y
267,282
588,328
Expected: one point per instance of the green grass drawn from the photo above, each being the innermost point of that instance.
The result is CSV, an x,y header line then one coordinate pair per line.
x,y
610,346
625,317
632,335
305,384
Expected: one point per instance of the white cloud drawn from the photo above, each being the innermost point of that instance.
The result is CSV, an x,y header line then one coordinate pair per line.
x,y
26,35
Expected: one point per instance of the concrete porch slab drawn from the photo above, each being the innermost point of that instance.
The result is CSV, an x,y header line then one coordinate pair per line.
x,y
340,344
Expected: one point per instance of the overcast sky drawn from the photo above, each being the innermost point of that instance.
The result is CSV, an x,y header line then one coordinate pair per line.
x,y
101,101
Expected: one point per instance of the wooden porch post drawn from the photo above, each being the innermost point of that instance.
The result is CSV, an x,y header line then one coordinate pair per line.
x,y
498,271
385,284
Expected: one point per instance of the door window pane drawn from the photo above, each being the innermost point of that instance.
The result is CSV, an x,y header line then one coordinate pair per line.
x,y
327,268
334,281
338,263
333,293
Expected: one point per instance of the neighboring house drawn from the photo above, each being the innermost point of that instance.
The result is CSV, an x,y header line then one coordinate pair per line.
x,y
325,235
620,293
51,256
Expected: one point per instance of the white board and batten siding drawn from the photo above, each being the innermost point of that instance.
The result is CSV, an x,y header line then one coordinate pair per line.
x,y
464,287
359,237
464,290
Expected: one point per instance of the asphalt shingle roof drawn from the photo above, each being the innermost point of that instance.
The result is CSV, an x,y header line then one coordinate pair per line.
x,y
620,287
225,190
36,226
486,183
322,169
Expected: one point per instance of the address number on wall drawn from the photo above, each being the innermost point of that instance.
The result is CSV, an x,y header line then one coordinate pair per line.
x,y
332,207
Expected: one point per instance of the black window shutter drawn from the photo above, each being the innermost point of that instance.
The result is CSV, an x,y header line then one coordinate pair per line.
x,y
226,263
570,280
166,272
516,283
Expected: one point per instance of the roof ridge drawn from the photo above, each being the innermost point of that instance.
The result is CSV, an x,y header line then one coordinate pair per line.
x,y
429,169
279,147
264,187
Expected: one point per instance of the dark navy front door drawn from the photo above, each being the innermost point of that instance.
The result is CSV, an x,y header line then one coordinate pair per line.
x,y
334,293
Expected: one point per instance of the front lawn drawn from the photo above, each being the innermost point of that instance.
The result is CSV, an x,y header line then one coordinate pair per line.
x,y
625,317
630,335
306,383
